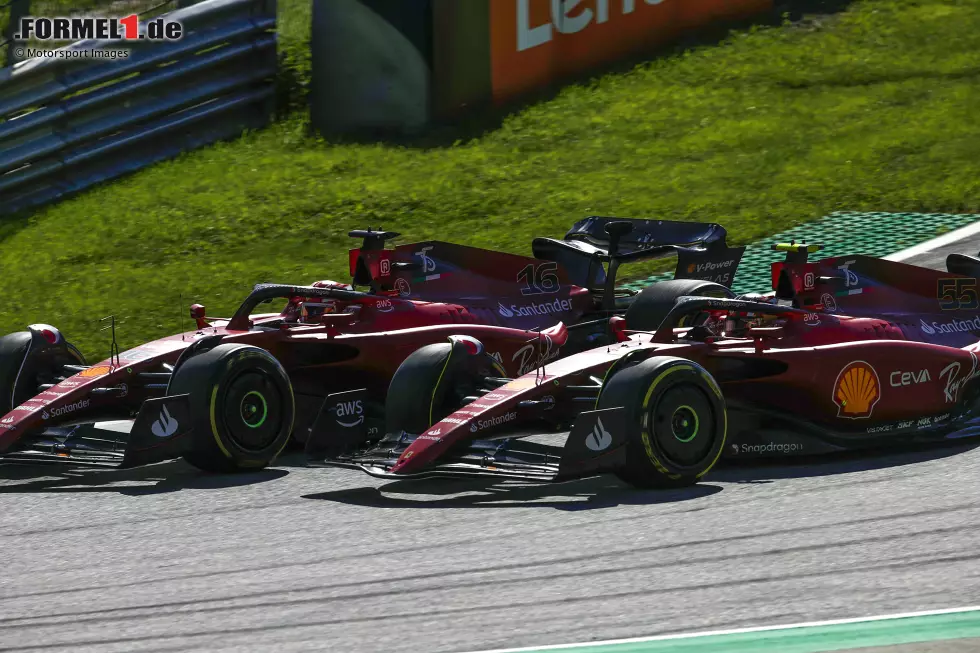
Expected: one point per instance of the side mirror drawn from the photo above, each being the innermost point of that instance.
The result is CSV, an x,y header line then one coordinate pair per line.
x,y
198,314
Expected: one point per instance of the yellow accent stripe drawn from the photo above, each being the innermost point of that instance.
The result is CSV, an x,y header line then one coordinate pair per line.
x,y
435,388
214,424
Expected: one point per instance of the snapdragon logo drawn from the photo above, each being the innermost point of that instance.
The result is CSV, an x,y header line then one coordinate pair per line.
x,y
772,447
953,326
543,308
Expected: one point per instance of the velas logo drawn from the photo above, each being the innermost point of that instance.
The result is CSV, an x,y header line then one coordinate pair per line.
x,y
953,326
543,308
856,391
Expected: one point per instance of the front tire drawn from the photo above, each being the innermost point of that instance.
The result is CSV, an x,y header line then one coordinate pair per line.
x,y
241,405
676,421
24,365
431,383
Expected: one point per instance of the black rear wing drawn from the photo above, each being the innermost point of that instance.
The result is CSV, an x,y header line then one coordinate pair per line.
x,y
647,238
701,250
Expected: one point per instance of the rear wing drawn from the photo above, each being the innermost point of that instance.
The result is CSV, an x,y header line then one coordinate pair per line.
x,y
647,238
701,250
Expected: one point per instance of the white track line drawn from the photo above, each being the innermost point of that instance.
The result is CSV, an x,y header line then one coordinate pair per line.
x,y
936,243
737,631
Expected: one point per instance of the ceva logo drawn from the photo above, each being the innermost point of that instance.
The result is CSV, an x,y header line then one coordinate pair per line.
x,y
504,311
926,329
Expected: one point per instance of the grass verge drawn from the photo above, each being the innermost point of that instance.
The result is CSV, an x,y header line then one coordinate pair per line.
x,y
871,109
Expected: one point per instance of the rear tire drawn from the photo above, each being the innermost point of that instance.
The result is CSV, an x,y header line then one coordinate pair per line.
x,y
651,306
430,384
241,405
676,421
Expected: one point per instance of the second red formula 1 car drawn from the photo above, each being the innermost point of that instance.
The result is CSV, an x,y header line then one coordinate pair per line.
x,y
851,352
230,393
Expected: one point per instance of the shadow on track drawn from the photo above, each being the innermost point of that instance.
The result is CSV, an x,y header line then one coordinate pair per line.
x,y
583,494
154,479
607,491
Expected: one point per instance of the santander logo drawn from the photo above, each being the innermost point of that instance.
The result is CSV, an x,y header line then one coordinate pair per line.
x,y
504,311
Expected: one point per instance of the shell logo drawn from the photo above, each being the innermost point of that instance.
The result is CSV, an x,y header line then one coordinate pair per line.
x,y
100,370
856,391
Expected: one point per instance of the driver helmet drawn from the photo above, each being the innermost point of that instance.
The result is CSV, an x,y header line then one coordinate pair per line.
x,y
332,284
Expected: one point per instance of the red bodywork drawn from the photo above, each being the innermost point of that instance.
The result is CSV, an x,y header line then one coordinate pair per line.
x,y
874,352
357,342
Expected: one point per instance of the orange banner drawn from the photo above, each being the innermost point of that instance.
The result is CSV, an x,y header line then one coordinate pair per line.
x,y
536,41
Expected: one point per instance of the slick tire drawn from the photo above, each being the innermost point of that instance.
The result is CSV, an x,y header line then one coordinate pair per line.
x,y
430,384
23,369
241,404
676,421
654,302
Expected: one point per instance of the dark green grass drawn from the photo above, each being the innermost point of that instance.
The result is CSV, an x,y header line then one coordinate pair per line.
x,y
877,108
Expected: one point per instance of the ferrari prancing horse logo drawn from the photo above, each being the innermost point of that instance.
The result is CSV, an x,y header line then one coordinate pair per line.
x,y
856,391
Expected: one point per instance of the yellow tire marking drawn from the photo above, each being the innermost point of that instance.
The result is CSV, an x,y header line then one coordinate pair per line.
x,y
214,424
645,432
435,388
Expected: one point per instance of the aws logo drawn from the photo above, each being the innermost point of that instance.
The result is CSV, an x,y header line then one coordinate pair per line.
x,y
349,413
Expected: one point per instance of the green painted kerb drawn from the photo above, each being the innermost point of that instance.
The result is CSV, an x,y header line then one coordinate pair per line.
x,y
807,639
871,234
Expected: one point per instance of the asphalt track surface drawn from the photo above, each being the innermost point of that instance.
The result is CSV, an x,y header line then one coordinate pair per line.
x,y
297,559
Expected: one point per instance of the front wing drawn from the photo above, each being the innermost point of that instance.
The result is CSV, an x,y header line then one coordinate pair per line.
x,y
596,444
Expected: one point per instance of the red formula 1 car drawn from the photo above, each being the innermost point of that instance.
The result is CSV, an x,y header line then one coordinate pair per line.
x,y
851,352
231,393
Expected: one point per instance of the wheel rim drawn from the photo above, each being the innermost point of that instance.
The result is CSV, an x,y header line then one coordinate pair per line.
x,y
683,425
252,411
